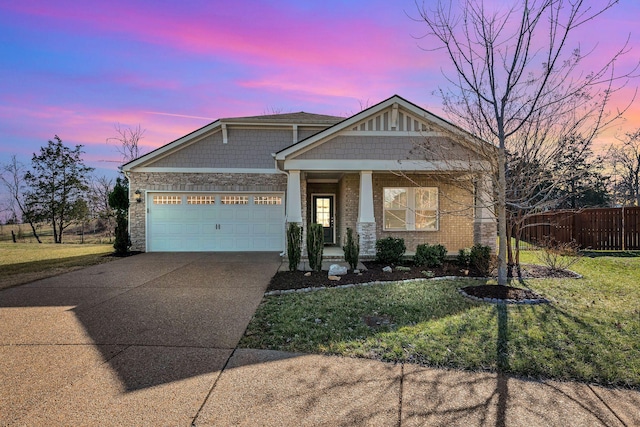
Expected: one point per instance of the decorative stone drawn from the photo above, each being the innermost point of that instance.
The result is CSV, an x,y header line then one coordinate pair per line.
x,y
387,269
356,271
307,274
337,270
334,278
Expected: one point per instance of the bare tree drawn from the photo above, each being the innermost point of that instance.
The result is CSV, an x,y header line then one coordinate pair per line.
x,y
99,189
12,177
517,83
127,141
625,162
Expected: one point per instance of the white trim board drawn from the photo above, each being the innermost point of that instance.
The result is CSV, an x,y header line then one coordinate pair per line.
x,y
206,170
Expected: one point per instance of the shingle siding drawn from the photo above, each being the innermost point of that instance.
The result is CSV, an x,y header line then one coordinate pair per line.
x,y
246,148
388,148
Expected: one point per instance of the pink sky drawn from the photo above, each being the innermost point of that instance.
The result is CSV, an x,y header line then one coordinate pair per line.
x,y
77,68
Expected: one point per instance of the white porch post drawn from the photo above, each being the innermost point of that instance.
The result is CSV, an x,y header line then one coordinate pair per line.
x,y
485,227
366,225
365,211
294,203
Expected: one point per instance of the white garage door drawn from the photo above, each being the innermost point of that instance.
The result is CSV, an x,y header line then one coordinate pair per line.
x,y
215,222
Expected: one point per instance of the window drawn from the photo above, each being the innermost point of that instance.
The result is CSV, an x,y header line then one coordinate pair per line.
x,y
167,200
201,200
411,209
234,200
267,200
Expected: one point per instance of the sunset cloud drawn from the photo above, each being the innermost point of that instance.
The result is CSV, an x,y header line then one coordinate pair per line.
x,y
77,68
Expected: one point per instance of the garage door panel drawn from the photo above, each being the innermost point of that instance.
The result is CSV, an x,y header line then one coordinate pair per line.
x,y
242,214
260,229
226,213
204,224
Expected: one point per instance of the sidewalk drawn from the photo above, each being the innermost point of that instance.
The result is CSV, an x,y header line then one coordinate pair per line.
x,y
269,388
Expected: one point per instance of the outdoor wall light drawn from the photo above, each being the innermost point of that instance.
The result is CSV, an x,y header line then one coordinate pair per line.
x,y
138,196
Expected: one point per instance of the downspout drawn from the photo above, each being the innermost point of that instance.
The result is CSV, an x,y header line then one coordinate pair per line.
x,y
126,175
286,214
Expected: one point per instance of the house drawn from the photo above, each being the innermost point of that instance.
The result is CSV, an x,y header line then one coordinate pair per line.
x,y
393,169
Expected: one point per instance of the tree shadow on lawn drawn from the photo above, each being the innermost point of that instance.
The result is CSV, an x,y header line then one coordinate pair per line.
x,y
36,266
323,319
540,341
436,396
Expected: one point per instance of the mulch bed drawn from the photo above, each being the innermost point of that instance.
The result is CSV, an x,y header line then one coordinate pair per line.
x,y
297,280
500,293
285,280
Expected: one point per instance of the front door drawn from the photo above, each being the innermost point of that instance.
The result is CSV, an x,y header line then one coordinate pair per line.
x,y
323,209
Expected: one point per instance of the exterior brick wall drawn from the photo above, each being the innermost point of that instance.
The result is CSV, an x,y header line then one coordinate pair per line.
x,y
485,233
456,222
183,182
349,202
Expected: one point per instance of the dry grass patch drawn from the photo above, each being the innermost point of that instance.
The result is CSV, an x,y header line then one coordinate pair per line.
x,y
25,262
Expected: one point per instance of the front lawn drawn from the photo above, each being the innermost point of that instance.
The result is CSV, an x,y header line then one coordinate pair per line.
x,y
590,332
25,262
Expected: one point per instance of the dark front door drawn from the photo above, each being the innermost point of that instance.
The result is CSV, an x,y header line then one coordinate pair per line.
x,y
323,208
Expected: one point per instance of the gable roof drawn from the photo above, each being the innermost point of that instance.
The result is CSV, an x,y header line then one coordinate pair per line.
x,y
289,119
300,118
372,111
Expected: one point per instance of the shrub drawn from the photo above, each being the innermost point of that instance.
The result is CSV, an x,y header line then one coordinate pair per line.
x,y
294,245
559,256
389,250
430,255
463,259
480,259
351,249
122,241
315,246
119,201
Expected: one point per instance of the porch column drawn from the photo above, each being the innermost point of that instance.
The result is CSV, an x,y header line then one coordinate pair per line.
x,y
366,225
484,224
294,205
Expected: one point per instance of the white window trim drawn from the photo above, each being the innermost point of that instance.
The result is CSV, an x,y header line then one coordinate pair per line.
x,y
410,218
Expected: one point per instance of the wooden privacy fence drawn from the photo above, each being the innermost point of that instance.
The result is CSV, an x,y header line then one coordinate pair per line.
x,y
596,229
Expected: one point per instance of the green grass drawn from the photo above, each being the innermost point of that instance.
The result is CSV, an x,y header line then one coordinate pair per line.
x,y
23,262
590,332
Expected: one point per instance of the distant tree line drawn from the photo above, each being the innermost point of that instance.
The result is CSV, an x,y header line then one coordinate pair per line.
x,y
60,190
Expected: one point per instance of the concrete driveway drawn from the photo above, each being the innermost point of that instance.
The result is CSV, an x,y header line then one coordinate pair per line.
x,y
138,341
150,341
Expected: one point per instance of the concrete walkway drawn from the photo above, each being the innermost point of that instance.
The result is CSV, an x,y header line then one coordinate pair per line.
x,y
150,340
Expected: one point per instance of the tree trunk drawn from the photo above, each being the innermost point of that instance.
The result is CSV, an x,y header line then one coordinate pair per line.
x,y
33,230
502,217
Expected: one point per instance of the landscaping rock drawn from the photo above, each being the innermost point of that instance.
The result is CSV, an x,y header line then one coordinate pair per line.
x,y
356,271
337,270
307,274
387,269
334,278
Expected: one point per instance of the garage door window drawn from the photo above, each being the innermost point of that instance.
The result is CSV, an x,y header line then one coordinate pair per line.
x,y
201,200
234,200
167,200
267,200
